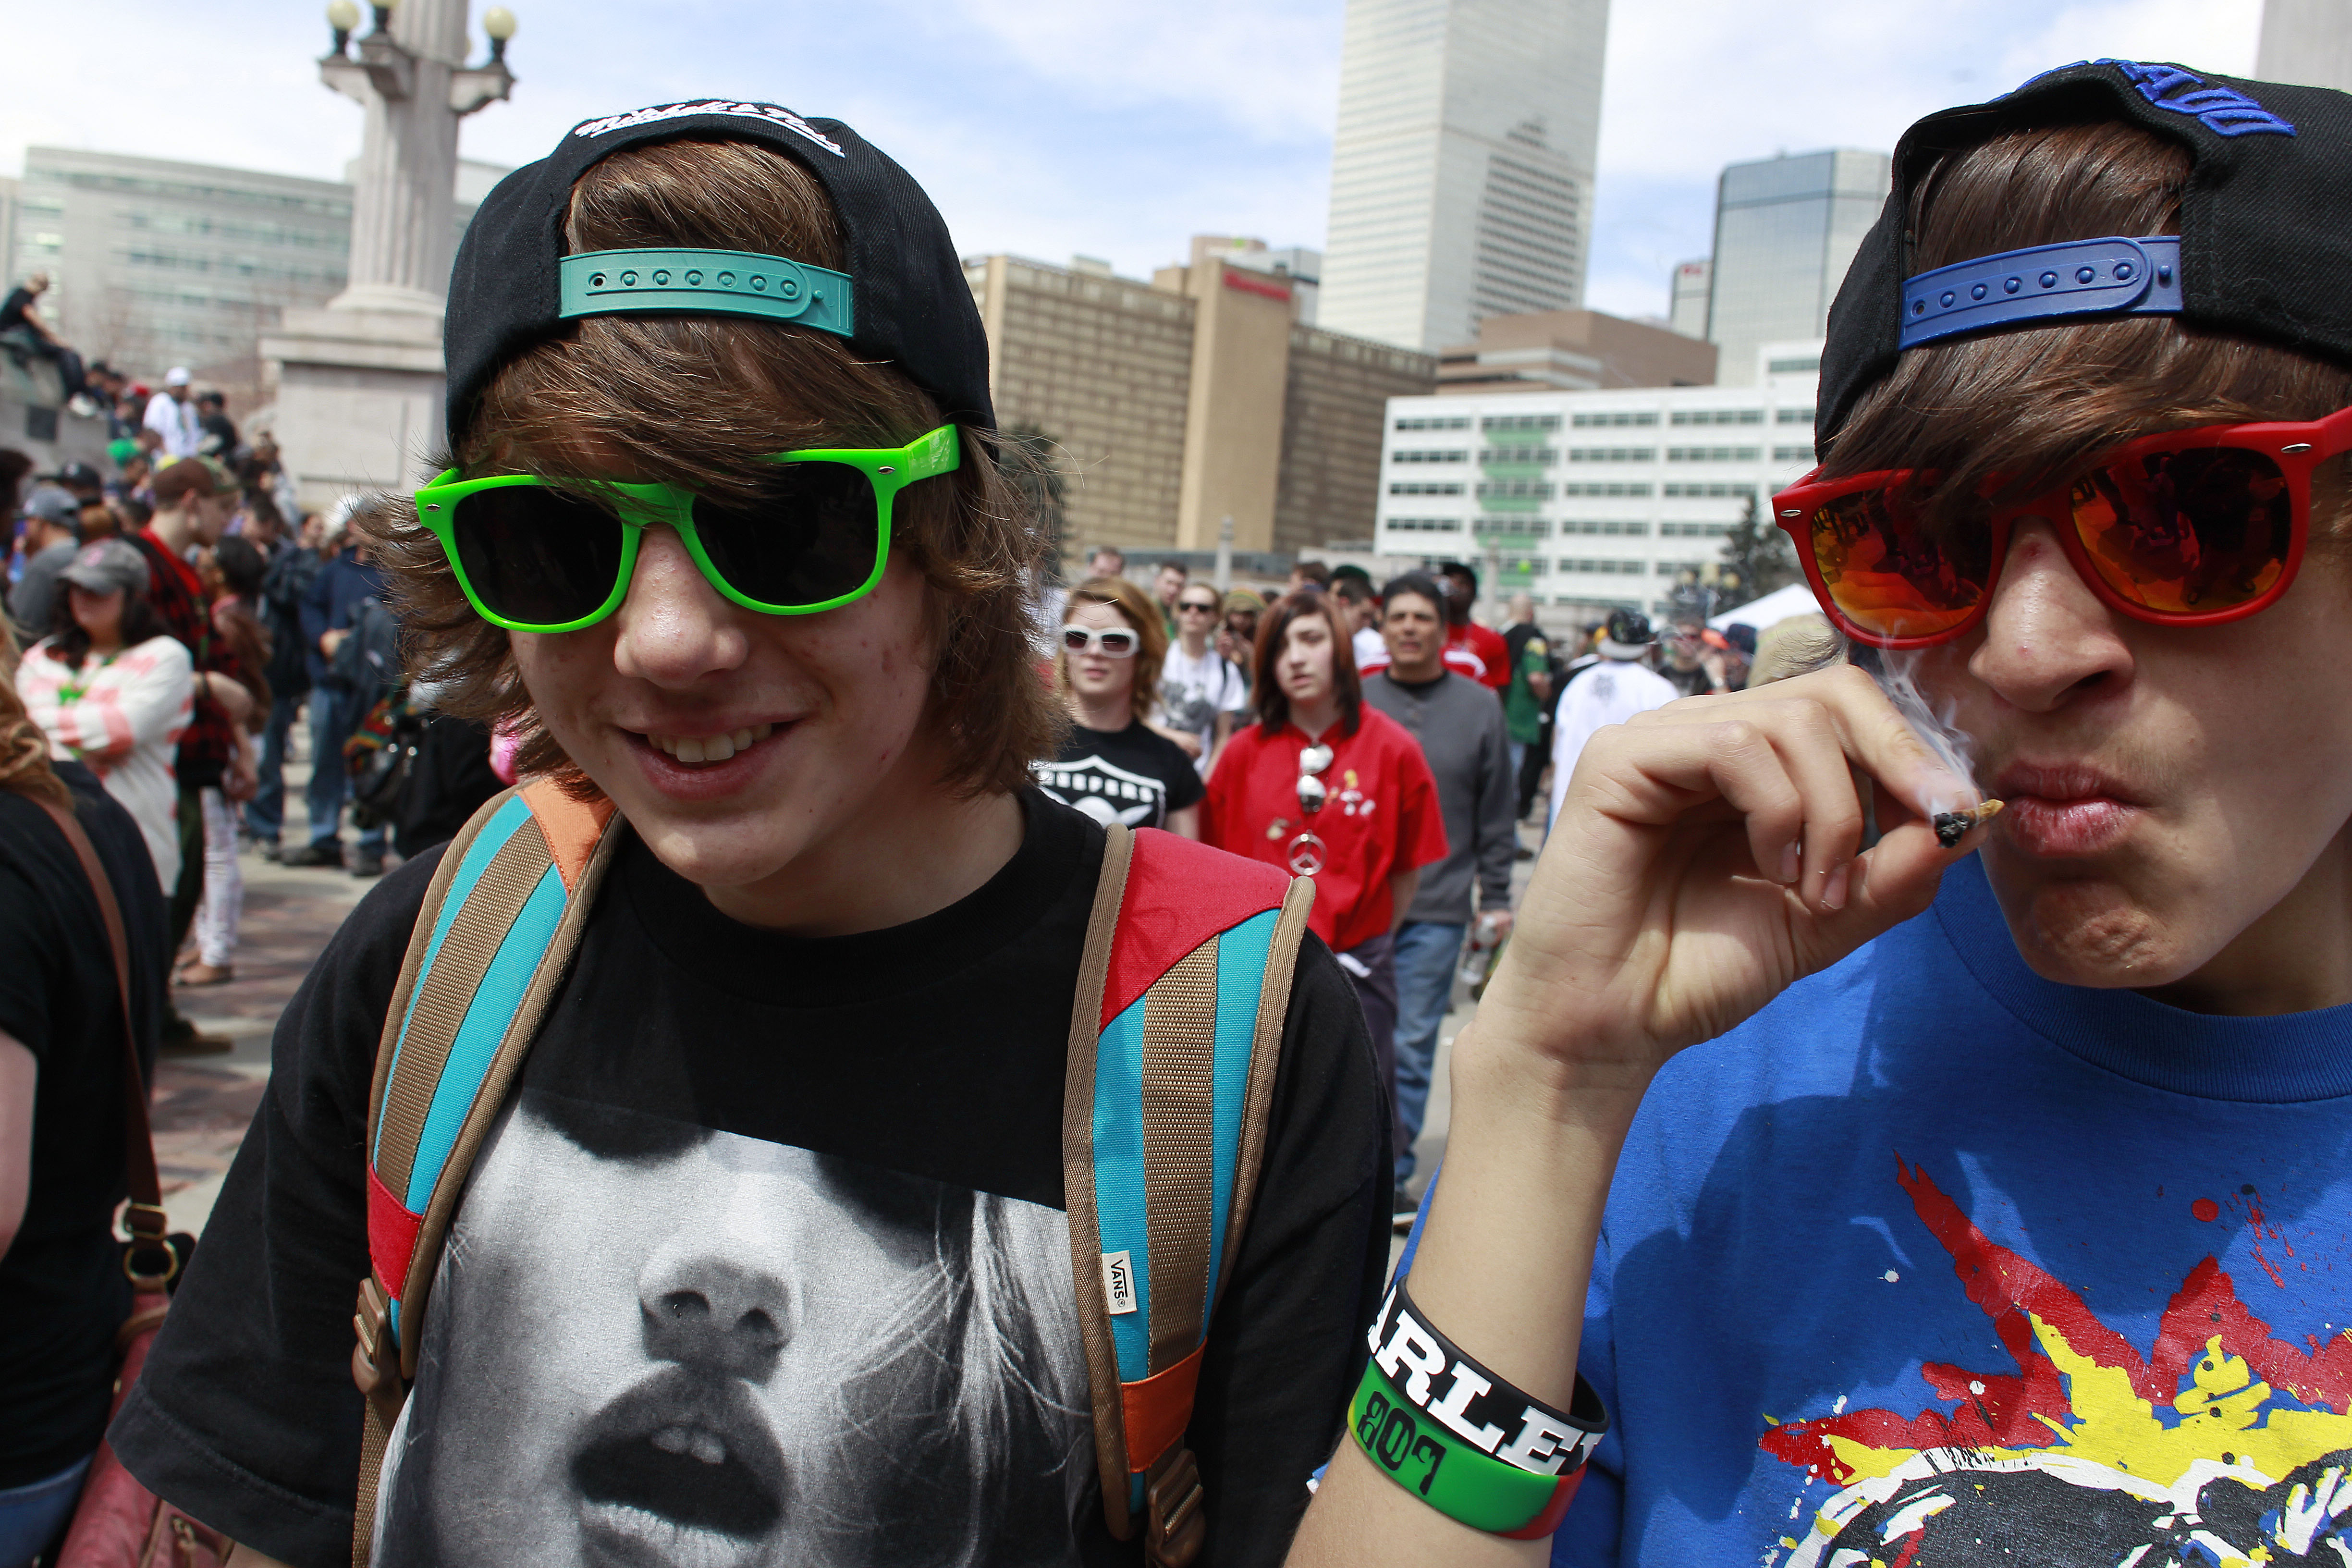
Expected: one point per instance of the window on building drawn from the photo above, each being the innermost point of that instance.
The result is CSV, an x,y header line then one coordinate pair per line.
x,y
1546,456
1507,490
1612,488
1693,530
1713,454
1426,487
1794,417
1793,366
1527,422
1718,416
1609,525
1711,492
1597,421
1607,568
1792,454
1435,421
1519,523
1452,455
1425,524
1613,454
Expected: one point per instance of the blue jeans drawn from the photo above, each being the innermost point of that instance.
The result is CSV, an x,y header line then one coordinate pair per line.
x,y
1426,954
334,717
265,814
33,1515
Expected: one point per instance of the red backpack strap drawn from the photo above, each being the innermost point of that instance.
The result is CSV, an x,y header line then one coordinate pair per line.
x,y
491,947
1175,1037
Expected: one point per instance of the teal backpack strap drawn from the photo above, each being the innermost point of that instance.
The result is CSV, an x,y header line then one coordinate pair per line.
x,y
491,946
1175,1037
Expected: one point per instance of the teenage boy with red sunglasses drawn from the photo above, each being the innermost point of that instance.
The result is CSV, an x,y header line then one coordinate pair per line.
x,y
2018,1234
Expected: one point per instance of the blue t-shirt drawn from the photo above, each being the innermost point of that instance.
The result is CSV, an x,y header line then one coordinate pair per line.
x,y
1936,1262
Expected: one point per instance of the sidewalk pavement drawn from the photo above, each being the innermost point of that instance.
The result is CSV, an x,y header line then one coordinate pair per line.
x,y
201,1104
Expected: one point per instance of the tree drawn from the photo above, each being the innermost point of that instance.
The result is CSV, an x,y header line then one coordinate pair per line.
x,y
1758,554
1031,459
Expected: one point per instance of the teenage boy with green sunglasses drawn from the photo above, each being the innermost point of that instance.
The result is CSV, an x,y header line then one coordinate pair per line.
x,y
770,1253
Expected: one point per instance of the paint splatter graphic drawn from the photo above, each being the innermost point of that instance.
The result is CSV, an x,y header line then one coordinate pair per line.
x,y
2223,1447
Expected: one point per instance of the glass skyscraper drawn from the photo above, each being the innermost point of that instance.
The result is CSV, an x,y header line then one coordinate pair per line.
x,y
1462,176
1785,231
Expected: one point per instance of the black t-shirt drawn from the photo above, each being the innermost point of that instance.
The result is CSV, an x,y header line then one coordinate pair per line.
x,y
1136,775
12,309
766,1262
62,1293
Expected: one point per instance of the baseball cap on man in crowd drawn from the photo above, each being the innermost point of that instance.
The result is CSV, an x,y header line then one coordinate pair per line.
x,y
107,565
176,377
54,505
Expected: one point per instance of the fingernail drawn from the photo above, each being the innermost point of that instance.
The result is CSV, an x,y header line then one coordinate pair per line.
x,y
1792,863
1833,890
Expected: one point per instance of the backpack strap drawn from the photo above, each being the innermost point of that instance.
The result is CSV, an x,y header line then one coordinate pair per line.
x,y
491,946
1175,1037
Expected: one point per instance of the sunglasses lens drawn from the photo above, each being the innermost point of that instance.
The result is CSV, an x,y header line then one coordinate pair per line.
x,y
812,536
1889,578
2189,532
1076,639
1118,645
535,555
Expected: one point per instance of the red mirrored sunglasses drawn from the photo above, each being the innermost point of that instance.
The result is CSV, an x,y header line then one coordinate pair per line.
x,y
2187,528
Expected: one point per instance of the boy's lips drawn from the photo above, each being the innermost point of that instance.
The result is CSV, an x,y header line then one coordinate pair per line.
x,y
707,765
2065,810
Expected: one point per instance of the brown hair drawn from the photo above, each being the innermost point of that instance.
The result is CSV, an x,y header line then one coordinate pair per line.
x,y
24,749
1138,610
189,475
1273,630
696,400
2036,403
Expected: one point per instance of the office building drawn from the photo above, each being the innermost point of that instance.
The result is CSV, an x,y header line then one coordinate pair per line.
x,y
1686,296
1594,499
1462,172
154,263
1785,230
1572,350
1178,404
2306,41
1302,266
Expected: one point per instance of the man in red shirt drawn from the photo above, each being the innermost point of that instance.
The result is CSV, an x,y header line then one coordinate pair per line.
x,y
1466,642
192,502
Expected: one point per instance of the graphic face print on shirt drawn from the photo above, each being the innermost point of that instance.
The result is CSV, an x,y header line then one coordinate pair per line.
x,y
655,1344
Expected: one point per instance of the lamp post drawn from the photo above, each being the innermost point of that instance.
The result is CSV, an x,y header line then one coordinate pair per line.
x,y
409,74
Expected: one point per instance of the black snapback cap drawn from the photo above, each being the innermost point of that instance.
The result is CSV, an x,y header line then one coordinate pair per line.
x,y
911,304
2266,246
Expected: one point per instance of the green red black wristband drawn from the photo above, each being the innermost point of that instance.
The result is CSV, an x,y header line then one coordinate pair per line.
x,y
1463,1440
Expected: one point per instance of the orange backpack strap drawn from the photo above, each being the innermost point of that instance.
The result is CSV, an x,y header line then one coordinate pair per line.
x,y
491,946
1175,1037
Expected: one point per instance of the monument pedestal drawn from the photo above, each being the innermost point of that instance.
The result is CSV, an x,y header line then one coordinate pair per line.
x,y
359,394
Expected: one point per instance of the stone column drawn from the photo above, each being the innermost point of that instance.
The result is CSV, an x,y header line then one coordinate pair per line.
x,y
360,381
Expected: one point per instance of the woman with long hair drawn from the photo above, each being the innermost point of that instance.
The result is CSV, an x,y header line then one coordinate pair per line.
x,y
113,690
63,1294
1113,762
1327,787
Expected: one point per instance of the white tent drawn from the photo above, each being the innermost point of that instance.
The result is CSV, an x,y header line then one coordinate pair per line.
x,y
1796,599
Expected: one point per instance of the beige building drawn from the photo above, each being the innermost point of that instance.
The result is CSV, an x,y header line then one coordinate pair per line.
x,y
1192,399
1573,351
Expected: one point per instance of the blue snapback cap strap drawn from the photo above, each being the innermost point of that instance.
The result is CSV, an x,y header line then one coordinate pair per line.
x,y
2082,277
705,283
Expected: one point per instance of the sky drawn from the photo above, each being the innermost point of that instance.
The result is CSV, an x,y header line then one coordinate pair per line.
x,y
1107,128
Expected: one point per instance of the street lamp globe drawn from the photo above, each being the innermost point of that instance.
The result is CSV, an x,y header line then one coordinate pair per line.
x,y
499,23
343,16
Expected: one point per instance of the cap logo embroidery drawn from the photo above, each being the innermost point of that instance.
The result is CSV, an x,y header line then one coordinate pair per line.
x,y
2220,110
659,112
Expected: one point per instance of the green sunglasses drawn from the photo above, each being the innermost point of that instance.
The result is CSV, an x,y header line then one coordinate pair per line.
x,y
535,556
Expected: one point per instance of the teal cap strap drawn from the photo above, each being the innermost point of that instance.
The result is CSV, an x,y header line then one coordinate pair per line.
x,y
705,283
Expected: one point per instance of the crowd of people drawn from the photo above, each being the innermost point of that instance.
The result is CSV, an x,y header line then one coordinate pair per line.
x,y
169,620
803,1122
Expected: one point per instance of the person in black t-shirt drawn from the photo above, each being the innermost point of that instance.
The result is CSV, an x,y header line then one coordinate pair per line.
x,y
1113,763
62,1290
767,1256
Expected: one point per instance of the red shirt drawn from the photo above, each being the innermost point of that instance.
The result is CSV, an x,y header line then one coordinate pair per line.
x,y
1471,642
1379,818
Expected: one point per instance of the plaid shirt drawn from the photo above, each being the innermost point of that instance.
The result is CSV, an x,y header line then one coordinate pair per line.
x,y
178,597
